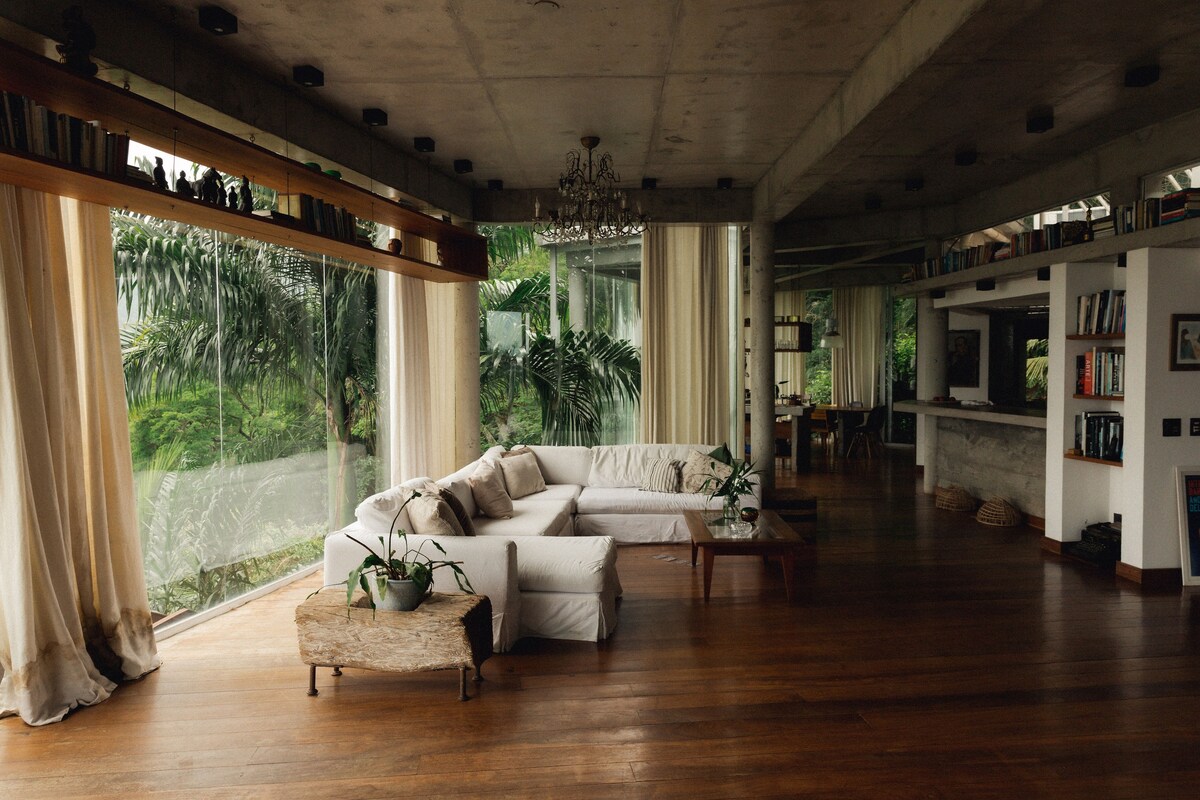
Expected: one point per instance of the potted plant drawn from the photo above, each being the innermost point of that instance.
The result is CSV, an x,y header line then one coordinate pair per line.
x,y
404,578
732,487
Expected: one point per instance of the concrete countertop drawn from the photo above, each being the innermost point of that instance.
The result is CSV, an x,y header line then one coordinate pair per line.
x,y
1004,415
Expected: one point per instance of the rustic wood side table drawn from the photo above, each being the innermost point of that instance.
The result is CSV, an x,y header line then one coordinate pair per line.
x,y
447,631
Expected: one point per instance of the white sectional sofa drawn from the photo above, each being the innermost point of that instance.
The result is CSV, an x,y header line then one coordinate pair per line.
x,y
550,569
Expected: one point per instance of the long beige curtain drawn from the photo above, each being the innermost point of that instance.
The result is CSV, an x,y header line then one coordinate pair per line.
x,y
790,366
429,356
685,334
855,367
74,618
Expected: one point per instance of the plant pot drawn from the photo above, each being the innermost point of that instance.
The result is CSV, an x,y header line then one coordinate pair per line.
x,y
400,596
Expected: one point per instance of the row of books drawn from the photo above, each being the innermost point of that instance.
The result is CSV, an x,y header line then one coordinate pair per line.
x,y
1102,312
1101,372
316,215
1100,434
1051,237
33,128
1179,205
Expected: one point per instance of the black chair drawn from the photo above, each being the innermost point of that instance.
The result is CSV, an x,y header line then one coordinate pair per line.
x,y
870,433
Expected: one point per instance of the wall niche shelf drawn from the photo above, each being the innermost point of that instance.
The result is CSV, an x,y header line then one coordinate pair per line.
x,y
1113,397
1095,337
463,253
1105,462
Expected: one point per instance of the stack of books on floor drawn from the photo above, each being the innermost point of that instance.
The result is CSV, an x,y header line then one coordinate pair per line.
x,y
29,127
1099,544
1100,434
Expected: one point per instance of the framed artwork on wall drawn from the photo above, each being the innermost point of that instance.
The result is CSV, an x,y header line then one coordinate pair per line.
x,y
1188,486
1185,341
962,364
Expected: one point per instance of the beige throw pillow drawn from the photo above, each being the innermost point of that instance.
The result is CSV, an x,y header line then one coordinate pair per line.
x,y
487,487
698,468
430,515
521,475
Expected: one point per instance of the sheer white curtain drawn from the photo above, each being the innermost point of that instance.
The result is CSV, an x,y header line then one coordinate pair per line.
x,y
74,618
685,339
790,366
855,367
429,360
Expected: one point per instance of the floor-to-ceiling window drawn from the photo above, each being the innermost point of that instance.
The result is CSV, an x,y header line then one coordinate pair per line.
x,y
250,372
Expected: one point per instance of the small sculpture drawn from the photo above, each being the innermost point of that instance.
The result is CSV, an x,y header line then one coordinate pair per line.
x,y
247,198
232,199
210,188
183,187
160,174
76,51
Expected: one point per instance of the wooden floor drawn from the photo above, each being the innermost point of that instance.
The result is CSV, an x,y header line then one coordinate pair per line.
x,y
926,656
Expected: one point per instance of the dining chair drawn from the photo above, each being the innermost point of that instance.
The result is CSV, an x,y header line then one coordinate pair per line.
x,y
870,433
819,425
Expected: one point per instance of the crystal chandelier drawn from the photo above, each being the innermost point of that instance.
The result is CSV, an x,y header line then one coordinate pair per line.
x,y
590,206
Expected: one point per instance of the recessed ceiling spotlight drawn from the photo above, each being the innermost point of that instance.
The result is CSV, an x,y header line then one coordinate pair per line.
x,y
872,202
649,183
375,117
308,75
724,183
217,20
1039,120
495,184
463,165
966,157
914,184
424,144
1140,76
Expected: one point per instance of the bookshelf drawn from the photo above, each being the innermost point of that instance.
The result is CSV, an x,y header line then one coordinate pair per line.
x,y
1088,459
463,253
802,336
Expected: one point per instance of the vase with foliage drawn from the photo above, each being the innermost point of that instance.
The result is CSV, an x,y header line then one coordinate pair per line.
x,y
403,578
731,488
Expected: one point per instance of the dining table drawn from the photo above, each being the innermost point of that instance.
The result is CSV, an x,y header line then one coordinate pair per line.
x,y
844,417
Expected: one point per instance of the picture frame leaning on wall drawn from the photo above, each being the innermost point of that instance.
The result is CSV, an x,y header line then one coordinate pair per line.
x,y
1187,482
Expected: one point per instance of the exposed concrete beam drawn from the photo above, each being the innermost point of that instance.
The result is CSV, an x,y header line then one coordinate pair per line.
x,y
884,275
923,28
1119,163
660,205
138,42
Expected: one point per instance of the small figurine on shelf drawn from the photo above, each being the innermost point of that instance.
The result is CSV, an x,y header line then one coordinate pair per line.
x,y
247,198
210,188
233,198
183,187
160,174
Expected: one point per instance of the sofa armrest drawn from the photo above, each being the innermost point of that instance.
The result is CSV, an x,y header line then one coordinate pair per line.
x,y
490,563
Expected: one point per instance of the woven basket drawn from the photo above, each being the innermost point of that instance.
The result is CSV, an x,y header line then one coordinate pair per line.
x,y
998,511
954,498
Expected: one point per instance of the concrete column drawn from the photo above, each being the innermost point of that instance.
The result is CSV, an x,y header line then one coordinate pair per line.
x,y
577,299
931,381
466,372
762,352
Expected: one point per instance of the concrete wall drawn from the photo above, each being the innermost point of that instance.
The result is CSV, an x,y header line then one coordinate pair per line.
x,y
987,459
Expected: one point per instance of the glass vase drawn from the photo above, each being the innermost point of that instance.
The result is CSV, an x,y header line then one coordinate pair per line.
x,y
732,511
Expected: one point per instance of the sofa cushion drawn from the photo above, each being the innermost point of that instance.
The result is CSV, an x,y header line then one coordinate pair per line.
x,y
605,500
487,487
460,490
564,464
556,492
662,475
528,519
375,514
570,564
698,472
625,464
431,516
521,474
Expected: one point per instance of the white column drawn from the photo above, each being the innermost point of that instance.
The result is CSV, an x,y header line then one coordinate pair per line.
x,y
762,352
466,372
577,299
931,382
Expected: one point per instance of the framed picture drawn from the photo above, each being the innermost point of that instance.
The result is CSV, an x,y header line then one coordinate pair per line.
x,y
1188,484
962,364
1185,341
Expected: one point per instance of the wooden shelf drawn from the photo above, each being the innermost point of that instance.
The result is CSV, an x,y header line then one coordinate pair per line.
x,y
1095,337
463,252
1185,233
1105,462
1117,397
746,324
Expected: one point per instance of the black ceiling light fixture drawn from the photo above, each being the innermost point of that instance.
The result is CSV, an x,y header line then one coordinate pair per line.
x,y
463,166
424,144
495,184
1039,120
724,183
872,202
308,75
649,183
375,117
965,157
217,20
1139,76
914,184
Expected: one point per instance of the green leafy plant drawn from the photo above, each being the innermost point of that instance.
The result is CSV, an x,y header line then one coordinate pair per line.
x,y
407,563
737,484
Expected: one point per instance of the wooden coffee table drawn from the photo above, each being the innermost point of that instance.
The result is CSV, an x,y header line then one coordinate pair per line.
x,y
447,631
771,537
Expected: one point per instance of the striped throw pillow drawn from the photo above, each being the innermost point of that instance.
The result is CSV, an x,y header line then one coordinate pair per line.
x,y
662,475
